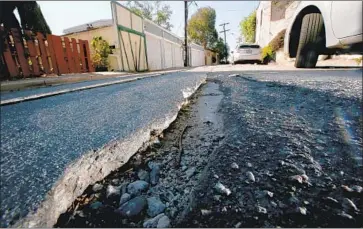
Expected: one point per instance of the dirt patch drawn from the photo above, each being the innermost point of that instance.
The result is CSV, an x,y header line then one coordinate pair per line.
x,y
158,182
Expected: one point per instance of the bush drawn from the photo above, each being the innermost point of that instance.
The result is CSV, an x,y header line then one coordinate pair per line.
x,y
269,51
358,60
101,50
248,27
267,54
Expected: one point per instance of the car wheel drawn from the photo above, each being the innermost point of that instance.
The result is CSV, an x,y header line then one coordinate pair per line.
x,y
311,41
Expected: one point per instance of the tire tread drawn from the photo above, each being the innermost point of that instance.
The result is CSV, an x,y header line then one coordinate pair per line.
x,y
310,41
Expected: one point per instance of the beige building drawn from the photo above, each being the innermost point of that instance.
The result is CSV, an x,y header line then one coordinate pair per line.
x,y
103,28
211,57
273,17
138,44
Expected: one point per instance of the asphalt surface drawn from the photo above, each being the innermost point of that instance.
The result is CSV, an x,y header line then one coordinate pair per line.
x,y
292,152
264,148
36,91
40,138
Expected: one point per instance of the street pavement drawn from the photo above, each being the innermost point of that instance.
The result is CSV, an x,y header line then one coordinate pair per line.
x,y
262,108
35,91
67,83
40,138
261,146
291,154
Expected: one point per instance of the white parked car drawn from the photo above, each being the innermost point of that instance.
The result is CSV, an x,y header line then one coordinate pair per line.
x,y
324,27
246,52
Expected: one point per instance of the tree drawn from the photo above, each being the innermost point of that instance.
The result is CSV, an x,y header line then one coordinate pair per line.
x,y
248,27
221,48
101,50
31,16
201,27
154,11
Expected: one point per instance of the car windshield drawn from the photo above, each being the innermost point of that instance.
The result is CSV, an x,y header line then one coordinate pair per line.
x,y
249,46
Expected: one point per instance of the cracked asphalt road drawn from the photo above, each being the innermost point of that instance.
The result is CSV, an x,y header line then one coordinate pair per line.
x,y
300,135
40,138
280,148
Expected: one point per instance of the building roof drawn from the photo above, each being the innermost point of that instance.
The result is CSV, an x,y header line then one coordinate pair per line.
x,y
90,25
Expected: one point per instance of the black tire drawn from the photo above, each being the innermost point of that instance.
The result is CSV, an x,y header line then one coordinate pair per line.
x,y
311,41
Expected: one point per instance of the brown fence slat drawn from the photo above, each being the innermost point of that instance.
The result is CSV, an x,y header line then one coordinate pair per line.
x,y
9,61
32,53
55,64
59,54
70,58
89,61
76,56
82,55
47,55
43,53
18,42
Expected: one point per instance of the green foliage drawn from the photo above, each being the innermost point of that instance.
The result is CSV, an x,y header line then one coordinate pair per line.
x,y
201,27
154,11
221,49
202,31
358,60
101,50
248,27
268,52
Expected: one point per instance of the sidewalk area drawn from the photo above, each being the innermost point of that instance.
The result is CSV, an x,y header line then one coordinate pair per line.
x,y
70,78
47,90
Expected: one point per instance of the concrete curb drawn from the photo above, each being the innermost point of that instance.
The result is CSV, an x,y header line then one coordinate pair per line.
x,y
39,82
72,78
49,94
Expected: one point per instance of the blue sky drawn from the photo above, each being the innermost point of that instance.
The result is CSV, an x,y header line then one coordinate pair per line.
x,y
64,14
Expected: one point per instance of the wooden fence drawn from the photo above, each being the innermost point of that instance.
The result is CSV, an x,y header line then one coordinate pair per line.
x,y
28,54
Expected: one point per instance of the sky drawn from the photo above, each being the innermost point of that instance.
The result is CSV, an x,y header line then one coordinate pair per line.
x,y
61,15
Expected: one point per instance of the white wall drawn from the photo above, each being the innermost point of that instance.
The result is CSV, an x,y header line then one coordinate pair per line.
x,y
266,29
198,57
164,49
163,54
154,51
132,50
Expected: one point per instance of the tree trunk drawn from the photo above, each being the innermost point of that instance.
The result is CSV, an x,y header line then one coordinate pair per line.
x,y
7,16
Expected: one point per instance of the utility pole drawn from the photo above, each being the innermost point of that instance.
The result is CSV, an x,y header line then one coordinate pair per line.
x,y
186,33
224,31
186,62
